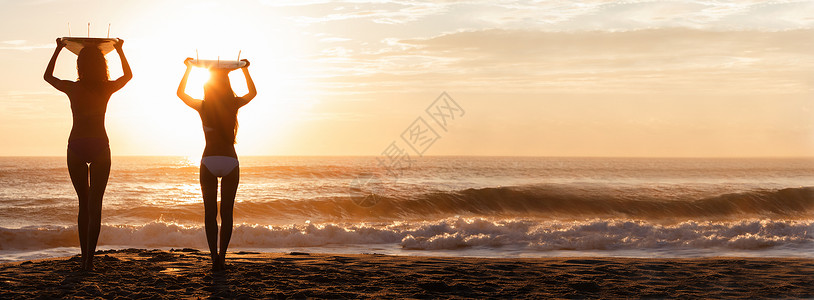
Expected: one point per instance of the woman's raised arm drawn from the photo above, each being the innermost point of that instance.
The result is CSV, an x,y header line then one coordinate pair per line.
x,y
252,90
188,100
128,74
61,85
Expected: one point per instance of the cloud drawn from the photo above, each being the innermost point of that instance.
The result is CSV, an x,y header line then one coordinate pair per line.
x,y
31,104
654,60
14,42
382,12
333,40
22,45
636,15
718,15
567,15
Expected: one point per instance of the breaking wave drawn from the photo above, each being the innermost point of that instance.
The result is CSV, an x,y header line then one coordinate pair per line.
x,y
447,234
549,202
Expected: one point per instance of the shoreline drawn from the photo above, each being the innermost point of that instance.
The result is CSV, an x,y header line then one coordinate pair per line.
x,y
185,273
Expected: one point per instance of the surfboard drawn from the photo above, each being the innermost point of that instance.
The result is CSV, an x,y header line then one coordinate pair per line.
x,y
218,64
75,44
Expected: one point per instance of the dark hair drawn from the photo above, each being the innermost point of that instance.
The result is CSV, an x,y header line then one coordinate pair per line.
x,y
91,65
219,108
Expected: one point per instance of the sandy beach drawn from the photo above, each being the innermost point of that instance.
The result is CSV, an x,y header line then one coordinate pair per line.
x,y
184,273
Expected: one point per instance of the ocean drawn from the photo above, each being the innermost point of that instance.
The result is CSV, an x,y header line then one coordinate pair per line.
x,y
441,206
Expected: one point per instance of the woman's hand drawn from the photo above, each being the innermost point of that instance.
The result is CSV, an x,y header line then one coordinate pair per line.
x,y
49,70
118,44
247,63
188,62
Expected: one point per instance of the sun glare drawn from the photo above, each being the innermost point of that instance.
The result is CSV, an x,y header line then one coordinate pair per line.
x,y
197,78
156,51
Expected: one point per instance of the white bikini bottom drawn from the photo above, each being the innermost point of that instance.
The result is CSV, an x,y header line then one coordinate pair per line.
x,y
219,165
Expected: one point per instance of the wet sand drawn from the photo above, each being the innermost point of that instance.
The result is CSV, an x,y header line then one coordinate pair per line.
x,y
139,273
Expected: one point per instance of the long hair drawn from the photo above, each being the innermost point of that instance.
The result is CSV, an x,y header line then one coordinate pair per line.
x,y
219,108
91,65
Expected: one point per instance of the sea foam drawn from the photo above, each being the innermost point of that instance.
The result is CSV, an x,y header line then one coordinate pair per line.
x,y
447,234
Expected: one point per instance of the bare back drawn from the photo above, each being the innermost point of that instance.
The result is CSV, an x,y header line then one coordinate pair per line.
x,y
88,98
88,107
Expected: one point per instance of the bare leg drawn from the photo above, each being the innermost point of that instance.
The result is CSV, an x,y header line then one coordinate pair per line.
x,y
99,174
209,189
78,170
228,190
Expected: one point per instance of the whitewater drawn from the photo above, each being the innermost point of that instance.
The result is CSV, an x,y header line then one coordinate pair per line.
x,y
451,206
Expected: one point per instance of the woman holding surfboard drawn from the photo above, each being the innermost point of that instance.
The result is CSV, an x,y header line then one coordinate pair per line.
x,y
218,111
88,144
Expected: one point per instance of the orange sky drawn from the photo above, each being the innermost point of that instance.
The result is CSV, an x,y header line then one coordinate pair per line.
x,y
593,78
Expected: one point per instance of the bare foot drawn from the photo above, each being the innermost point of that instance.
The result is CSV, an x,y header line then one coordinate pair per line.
x,y
88,266
222,262
216,266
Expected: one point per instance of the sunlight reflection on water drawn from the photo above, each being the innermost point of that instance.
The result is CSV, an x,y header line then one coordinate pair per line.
x,y
190,161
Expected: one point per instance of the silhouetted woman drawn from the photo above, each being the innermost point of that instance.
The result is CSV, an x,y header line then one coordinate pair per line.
x,y
88,145
218,111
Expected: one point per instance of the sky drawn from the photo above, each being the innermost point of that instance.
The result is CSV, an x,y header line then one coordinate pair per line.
x,y
526,78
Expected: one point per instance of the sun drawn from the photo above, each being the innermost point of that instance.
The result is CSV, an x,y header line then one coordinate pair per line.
x,y
197,78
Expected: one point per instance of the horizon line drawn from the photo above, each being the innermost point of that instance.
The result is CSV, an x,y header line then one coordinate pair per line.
x,y
464,155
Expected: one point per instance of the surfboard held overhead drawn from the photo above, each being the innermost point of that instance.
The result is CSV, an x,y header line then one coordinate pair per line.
x,y
75,44
218,64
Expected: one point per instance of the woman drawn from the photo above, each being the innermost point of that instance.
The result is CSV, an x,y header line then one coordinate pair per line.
x,y
88,145
218,111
